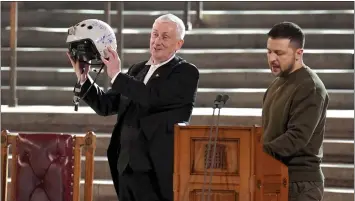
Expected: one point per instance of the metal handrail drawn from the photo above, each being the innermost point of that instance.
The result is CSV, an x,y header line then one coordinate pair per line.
x,y
13,48
107,13
119,34
187,14
199,9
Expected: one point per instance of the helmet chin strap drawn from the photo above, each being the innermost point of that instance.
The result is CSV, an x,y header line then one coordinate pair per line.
x,y
77,87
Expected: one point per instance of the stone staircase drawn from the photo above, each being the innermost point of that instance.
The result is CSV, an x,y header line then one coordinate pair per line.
x,y
229,50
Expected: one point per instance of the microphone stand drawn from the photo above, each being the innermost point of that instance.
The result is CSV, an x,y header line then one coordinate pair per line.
x,y
217,102
223,102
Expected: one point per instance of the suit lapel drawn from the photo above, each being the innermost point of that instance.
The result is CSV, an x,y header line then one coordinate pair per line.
x,y
139,73
142,73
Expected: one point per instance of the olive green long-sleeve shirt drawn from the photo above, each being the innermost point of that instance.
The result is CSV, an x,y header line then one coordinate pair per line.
x,y
293,119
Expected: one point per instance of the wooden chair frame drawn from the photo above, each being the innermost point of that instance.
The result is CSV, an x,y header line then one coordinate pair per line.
x,y
88,141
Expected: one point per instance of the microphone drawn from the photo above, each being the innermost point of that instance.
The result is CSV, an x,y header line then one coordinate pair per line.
x,y
216,104
223,101
217,101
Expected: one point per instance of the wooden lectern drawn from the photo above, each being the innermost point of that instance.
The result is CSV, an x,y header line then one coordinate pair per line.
x,y
241,171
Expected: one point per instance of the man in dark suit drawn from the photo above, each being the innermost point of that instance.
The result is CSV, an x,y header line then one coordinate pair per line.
x,y
148,100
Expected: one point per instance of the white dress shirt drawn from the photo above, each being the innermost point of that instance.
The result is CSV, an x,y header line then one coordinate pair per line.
x,y
152,69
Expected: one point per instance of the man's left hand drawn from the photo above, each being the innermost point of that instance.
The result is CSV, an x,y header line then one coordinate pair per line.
x,y
113,63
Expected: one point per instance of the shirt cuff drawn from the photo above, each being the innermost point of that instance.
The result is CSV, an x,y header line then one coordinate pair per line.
x,y
114,78
81,83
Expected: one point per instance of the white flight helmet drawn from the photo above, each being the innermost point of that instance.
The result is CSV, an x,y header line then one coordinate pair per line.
x,y
88,39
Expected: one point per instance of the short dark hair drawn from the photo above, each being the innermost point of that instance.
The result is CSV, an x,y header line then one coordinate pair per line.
x,y
288,30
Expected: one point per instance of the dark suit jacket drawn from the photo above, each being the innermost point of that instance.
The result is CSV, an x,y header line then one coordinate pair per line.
x,y
169,95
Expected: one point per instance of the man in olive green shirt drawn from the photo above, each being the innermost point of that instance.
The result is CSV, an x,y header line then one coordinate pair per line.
x,y
294,113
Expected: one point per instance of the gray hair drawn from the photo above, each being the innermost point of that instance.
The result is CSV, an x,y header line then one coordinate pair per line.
x,y
180,26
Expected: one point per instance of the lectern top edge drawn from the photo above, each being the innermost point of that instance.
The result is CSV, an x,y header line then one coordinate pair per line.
x,y
239,127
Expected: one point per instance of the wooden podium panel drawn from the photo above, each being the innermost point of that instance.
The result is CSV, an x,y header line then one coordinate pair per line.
x,y
241,171
271,176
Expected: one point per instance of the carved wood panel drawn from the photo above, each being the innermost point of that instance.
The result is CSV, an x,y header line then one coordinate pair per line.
x,y
215,195
226,160
271,197
215,156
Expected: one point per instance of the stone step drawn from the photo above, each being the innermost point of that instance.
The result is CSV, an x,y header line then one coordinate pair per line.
x,y
46,118
334,146
202,58
211,19
103,190
335,150
340,159
196,38
171,5
340,175
337,174
209,78
238,97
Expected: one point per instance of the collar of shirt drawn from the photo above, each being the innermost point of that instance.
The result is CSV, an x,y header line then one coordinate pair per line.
x,y
150,62
153,67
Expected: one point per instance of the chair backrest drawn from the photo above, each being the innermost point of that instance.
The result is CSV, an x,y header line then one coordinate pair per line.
x,y
47,166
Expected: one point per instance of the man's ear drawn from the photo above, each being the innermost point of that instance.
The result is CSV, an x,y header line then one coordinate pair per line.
x,y
179,45
299,53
